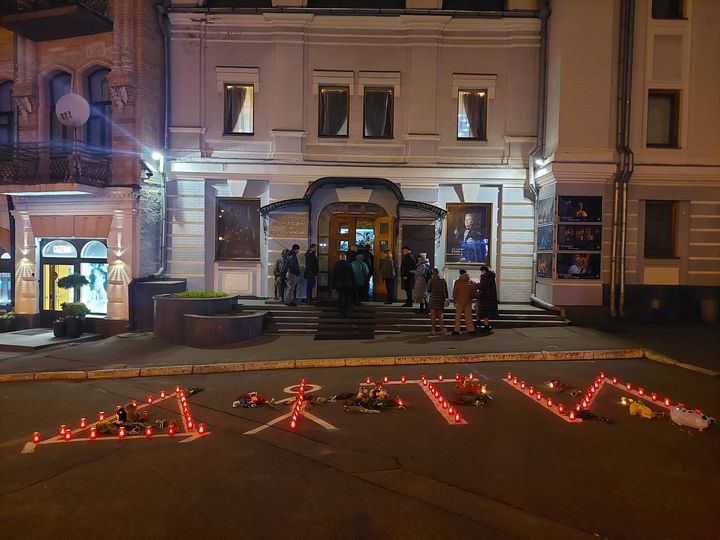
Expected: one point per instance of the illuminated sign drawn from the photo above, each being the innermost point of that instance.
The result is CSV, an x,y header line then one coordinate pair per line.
x,y
62,249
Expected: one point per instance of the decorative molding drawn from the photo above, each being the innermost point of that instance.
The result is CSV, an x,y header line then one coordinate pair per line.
x,y
24,106
187,129
238,75
333,78
470,81
379,79
120,96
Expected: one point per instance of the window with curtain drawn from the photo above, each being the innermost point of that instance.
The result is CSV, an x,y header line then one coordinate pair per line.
x,y
7,114
334,111
59,85
98,130
378,113
472,114
239,100
660,217
662,118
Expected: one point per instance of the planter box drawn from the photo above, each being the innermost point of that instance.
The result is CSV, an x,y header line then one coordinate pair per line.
x,y
169,323
219,330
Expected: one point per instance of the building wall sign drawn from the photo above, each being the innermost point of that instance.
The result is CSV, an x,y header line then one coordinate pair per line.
x,y
288,225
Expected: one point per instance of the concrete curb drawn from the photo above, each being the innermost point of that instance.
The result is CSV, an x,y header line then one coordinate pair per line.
x,y
233,367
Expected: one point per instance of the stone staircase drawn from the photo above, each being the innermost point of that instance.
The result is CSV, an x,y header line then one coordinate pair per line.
x,y
371,319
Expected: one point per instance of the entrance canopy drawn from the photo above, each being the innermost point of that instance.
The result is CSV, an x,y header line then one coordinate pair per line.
x,y
359,182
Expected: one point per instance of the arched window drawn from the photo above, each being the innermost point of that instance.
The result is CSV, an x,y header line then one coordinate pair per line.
x,y
59,85
98,132
94,250
59,249
7,114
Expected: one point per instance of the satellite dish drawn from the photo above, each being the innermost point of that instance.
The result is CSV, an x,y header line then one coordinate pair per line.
x,y
72,110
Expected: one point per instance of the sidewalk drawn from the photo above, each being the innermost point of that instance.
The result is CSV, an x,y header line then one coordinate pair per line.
x,y
696,344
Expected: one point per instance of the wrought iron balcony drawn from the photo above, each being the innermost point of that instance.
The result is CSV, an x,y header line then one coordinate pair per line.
x,y
32,164
45,20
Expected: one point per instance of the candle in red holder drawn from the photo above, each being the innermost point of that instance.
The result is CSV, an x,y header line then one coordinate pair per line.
x,y
440,377
561,408
121,432
36,437
68,435
162,394
101,415
63,429
148,431
201,428
93,433
83,422
403,378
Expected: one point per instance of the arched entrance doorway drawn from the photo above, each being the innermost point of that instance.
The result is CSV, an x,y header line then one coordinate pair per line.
x,y
365,227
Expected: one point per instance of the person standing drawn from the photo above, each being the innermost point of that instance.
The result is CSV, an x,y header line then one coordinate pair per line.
x,y
407,273
279,273
360,277
487,307
293,271
438,301
369,260
352,253
388,272
343,283
311,272
463,293
422,276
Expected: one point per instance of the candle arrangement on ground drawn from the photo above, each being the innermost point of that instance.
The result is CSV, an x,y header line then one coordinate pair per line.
x,y
373,399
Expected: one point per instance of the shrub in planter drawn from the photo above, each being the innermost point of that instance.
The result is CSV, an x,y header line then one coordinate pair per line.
x,y
7,321
74,314
199,294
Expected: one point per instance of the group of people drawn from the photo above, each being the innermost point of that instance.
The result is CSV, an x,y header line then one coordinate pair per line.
x,y
287,271
351,277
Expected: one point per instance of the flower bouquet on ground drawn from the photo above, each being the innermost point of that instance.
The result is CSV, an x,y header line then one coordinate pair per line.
x,y
253,400
471,392
373,399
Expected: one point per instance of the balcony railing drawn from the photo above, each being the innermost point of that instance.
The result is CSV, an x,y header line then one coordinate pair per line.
x,y
44,20
51,163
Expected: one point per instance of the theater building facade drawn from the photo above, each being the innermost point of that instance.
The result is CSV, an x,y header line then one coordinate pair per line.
x,y
379,131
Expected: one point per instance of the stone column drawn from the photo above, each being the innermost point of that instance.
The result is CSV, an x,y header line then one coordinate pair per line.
x,y
26,266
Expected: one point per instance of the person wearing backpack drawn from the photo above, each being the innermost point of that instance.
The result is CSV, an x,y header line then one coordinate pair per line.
x,y
360,272
293,271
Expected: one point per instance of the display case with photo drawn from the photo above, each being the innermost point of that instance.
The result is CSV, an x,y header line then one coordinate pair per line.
x,y
544,265
545,238
578,266
546,211
238,229
580,209
580,237
468,233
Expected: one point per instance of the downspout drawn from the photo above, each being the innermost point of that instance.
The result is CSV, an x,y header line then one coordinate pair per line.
x,y
539,150
625,160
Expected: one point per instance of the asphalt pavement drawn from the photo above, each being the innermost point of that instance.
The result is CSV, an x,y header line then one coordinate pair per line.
x,y
513,471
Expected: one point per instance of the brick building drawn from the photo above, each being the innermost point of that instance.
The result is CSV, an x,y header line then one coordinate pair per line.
x,y
78,202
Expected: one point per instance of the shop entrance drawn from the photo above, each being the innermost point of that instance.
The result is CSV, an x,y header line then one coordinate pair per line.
x,y
363,225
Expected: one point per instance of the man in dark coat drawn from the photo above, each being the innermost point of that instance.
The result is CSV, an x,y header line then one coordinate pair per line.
x,y
293,271
311,272
342,281
407,269
487,307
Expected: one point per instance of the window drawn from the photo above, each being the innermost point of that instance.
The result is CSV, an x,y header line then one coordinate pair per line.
x,y
333,117
98,131
7,114
378,113
662,120
472,112
239,99
660,218
667,9
94,250
59,85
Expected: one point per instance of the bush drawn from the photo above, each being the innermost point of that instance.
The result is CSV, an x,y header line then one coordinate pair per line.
x,y
75,309
199,294
72,281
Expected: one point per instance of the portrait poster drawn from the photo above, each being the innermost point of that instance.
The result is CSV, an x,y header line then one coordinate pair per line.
x,y
580,237
545,238
546,211
468,233
544,265
238,229
578,266
580,209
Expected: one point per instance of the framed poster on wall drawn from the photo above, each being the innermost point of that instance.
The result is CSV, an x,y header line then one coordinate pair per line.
x,y
546,211
580,237
544,265
238,229
578,266
580,209
545,238
468,233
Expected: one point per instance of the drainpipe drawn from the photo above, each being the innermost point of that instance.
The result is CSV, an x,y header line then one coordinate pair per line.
x,y
625,160
539,150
